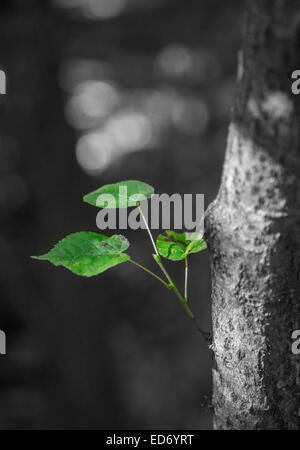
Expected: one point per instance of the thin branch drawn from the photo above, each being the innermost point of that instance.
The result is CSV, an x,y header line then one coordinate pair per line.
x,y
207,336
148,229
171,286
150,273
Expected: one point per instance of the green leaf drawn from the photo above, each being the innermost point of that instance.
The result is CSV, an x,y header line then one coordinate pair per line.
x,y
88,254
175,251
175,246
177,237
196,246
120,195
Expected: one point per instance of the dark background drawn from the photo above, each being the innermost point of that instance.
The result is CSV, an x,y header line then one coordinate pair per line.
x,y
102,91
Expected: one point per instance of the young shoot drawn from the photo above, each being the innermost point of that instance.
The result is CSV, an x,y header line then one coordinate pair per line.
x,y
88,254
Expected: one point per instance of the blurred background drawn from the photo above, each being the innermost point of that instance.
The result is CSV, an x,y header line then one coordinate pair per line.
x,y
101,91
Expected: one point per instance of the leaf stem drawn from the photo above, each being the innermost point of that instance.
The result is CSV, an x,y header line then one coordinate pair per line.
x,y
186,278
150,273
158,260
148,229
164,271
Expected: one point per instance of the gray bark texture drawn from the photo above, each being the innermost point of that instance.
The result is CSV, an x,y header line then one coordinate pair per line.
x,y
252,229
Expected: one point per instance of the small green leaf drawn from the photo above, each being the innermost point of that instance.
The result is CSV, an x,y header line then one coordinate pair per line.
x,y
88,254
177,237
169,248
196,246
175,246
120,195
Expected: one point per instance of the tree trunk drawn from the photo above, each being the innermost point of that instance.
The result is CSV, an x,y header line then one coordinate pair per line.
x,y
253,233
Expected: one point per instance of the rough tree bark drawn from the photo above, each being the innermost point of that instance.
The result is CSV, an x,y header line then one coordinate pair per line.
x,y
253,232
